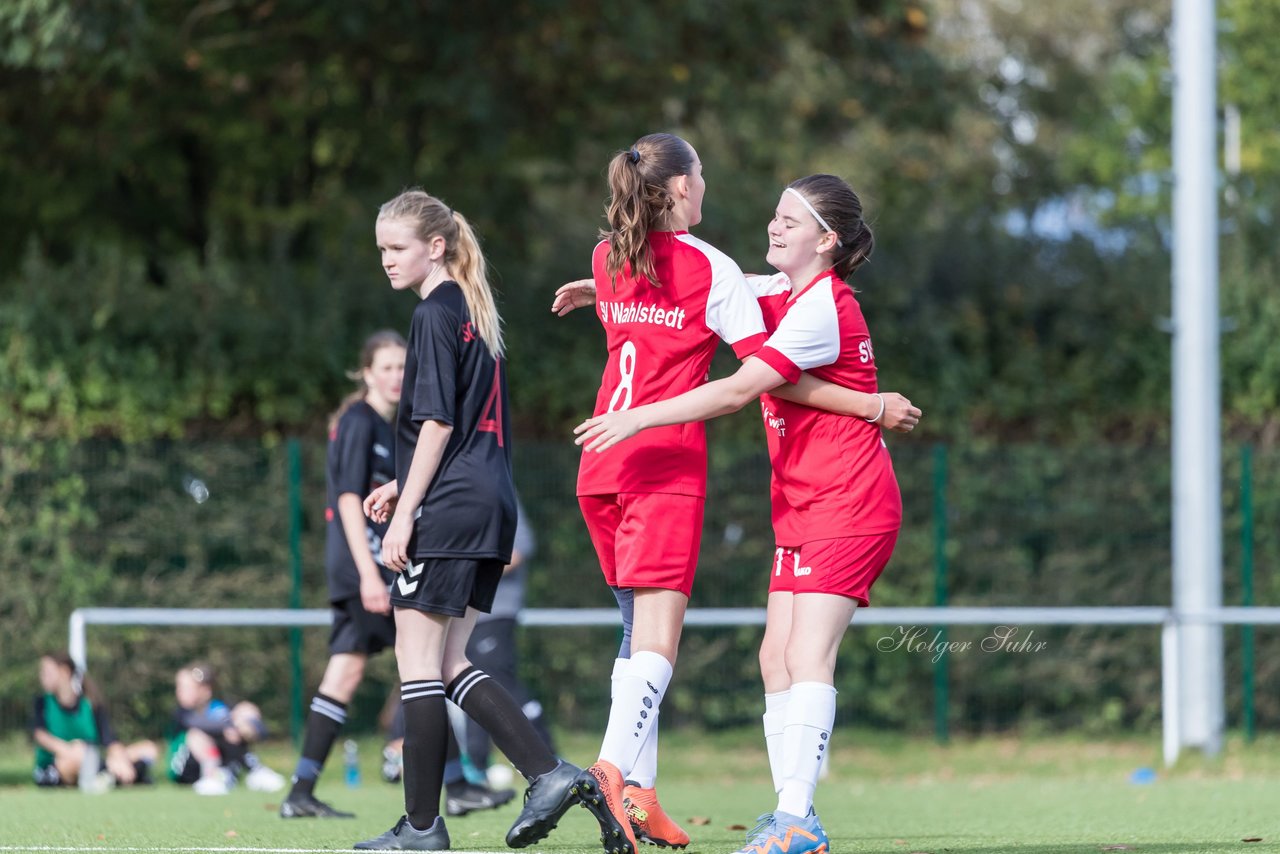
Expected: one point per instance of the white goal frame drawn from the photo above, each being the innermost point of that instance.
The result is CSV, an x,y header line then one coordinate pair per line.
x,y
1168,620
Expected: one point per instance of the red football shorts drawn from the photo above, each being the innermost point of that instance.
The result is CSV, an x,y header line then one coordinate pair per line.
x,y
845,567
645,539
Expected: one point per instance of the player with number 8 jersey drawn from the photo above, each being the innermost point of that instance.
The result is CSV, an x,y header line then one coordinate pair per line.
x,y
666,299
836,504
661,340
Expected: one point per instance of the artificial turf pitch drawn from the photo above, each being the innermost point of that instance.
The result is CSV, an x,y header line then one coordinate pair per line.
x,y
902,797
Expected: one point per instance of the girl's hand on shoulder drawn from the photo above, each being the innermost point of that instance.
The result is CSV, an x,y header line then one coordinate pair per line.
x,y
605,431
576,294
381,503
899,415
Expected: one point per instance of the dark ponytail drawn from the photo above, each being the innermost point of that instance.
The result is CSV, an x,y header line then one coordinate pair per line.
x,y
639,201
837,203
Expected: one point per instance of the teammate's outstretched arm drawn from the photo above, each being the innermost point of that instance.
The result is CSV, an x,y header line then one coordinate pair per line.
x,y
895,412
707,401
898,414
576,294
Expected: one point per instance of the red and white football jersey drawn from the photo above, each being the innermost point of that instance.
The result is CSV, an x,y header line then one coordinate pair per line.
x,y
661,338
832,475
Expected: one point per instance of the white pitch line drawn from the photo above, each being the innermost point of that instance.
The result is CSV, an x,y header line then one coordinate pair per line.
x,y
155,849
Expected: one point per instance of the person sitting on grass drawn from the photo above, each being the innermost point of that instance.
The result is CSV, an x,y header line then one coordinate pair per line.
x,y
210,740
71,731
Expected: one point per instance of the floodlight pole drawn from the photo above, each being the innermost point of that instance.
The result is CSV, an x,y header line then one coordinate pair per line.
x,y
1197,452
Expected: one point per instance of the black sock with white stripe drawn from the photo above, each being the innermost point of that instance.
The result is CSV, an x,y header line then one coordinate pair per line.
x,y
488,704
426,725
324,721
453,771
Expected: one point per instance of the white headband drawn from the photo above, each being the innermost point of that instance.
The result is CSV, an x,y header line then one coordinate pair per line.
x,y
810,208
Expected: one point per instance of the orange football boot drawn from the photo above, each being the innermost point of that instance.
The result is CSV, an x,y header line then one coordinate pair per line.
x,y
599,789
649,821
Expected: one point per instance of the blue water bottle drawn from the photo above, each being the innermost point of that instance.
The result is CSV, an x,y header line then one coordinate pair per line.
x,y
351,762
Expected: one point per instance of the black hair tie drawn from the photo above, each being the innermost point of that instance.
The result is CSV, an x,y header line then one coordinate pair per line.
x,y
634,155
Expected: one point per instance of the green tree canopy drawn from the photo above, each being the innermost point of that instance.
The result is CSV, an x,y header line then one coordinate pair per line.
x,y
186,240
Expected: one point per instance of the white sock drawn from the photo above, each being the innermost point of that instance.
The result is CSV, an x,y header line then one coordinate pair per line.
x,y
775,718
620,666
637,696
645,772
805,738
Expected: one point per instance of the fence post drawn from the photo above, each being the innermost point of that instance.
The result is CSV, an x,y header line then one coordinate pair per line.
x,y
1170,691
941,682
294,450
77,645
1246,586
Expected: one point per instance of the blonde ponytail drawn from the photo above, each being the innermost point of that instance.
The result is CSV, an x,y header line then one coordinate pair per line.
x,y
462,256
471,272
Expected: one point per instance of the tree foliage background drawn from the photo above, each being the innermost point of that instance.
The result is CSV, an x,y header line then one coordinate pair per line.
x,y
186,242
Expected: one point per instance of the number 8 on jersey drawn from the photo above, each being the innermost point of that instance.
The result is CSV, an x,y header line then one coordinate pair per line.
x,y
626,371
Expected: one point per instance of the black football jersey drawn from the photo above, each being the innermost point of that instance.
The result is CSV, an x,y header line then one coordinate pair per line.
x,y
361,458
450,376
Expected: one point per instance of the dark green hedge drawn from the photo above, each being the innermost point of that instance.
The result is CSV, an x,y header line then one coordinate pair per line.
x,y
110,523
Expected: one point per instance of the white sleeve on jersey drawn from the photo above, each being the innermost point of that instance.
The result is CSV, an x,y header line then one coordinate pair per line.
x,y
809,333
732,310
765,286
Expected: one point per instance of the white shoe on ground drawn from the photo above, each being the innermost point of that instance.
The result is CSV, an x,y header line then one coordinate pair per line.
x,y
263,779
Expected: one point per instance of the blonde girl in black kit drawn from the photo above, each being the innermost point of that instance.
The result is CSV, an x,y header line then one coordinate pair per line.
x,y
452,518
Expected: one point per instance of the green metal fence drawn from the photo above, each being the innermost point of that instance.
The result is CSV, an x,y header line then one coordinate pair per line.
x,y
240,524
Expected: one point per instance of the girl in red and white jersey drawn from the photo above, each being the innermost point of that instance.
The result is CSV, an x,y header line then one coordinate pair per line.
x,y
665,299
836,505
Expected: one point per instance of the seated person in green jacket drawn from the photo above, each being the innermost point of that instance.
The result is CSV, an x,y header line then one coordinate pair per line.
x,y
73,734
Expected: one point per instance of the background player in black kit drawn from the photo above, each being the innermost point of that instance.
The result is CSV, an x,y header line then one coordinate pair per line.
x,y
492,646
453,516
361,458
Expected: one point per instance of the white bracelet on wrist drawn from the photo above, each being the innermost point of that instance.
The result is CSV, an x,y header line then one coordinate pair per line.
x,y
879,414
